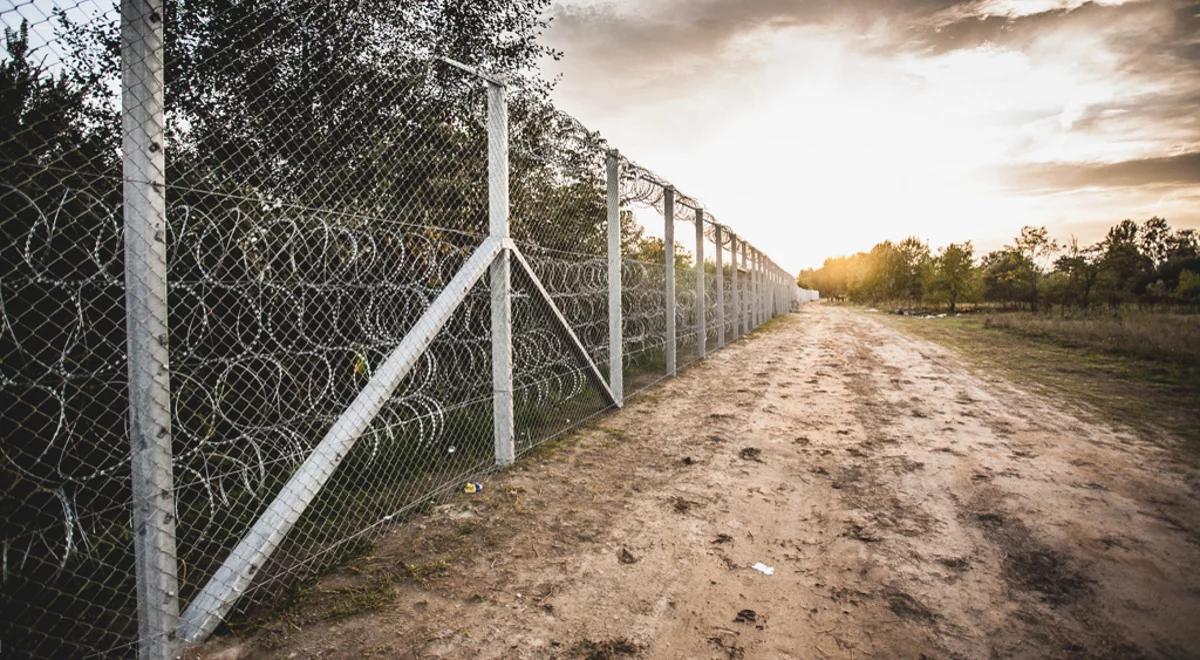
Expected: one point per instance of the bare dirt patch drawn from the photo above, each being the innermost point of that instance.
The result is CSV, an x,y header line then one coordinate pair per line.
x,y
905,505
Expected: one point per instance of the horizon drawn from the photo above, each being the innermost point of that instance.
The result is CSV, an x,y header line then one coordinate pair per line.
x,y
1068,115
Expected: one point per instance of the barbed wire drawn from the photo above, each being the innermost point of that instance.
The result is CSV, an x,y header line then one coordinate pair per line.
x,y
311,218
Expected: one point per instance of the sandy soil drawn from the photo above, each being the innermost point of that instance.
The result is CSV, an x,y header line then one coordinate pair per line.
x,y
909,508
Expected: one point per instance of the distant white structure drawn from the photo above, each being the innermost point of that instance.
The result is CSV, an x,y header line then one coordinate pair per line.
x,y
801,296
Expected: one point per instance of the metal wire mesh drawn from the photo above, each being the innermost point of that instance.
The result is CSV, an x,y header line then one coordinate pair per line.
x,y
245,311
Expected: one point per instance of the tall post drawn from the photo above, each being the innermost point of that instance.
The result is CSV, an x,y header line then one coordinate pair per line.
x,y
766,289
753,300
747,296
145,212
774,292
769,298
719,243
763,289
616,357
752,303
780,299
669,274
756,265
701,302
500,275
735,306
775,311
771,291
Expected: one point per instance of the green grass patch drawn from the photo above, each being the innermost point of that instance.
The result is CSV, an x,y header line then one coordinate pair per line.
x,y
770,325
1108,367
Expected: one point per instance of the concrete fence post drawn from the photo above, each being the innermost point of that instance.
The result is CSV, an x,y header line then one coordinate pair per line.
x,y
758,288
779,302
762,287
616,356
744,311
753,289
754,302
772,292
500,275
718,241
669,274
765,278
145,216
701,302
735,296
768,290
775,290
780,292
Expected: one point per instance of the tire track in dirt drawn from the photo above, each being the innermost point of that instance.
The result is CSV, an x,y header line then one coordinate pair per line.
x,y
907,506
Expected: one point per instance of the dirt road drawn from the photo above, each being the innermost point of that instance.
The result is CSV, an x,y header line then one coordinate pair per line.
x,y
907,506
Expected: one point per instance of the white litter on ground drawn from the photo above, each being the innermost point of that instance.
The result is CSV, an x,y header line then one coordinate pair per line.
x,y
763,568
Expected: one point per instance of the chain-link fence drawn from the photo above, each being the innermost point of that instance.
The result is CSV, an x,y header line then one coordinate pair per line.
x,y
274,277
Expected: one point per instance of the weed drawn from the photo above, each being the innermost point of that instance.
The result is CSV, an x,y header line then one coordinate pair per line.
x,y
359,599
424,571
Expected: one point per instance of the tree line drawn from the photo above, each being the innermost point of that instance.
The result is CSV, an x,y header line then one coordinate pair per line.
x,y
1145,264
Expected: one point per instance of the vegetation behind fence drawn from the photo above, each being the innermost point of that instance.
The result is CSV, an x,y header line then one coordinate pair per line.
x,y
225,226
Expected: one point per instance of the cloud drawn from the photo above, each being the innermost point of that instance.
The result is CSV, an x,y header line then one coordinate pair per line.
x,y
1172,171
669,39
892,113
660,32
1118,54
971,25
1171,114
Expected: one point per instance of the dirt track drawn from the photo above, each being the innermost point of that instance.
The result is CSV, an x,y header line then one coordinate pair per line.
x,y
907,506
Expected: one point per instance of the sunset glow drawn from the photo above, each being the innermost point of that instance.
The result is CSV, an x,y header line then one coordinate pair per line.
x,y
827,127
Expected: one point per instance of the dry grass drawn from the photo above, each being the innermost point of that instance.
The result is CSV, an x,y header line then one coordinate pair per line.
x,y
1138,371
1157,336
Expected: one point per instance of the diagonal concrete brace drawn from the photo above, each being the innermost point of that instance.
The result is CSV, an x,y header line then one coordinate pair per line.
x,y
576,346
236,574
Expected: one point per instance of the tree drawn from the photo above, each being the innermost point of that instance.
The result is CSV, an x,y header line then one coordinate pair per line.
x,y
55,145
1183,244
1036,248
1188,289
1154,240
912,256
1080,269
1008,276
952,272
1146,263
1122,263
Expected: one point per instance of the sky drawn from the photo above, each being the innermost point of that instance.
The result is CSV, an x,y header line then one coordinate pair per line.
x,y
817,128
